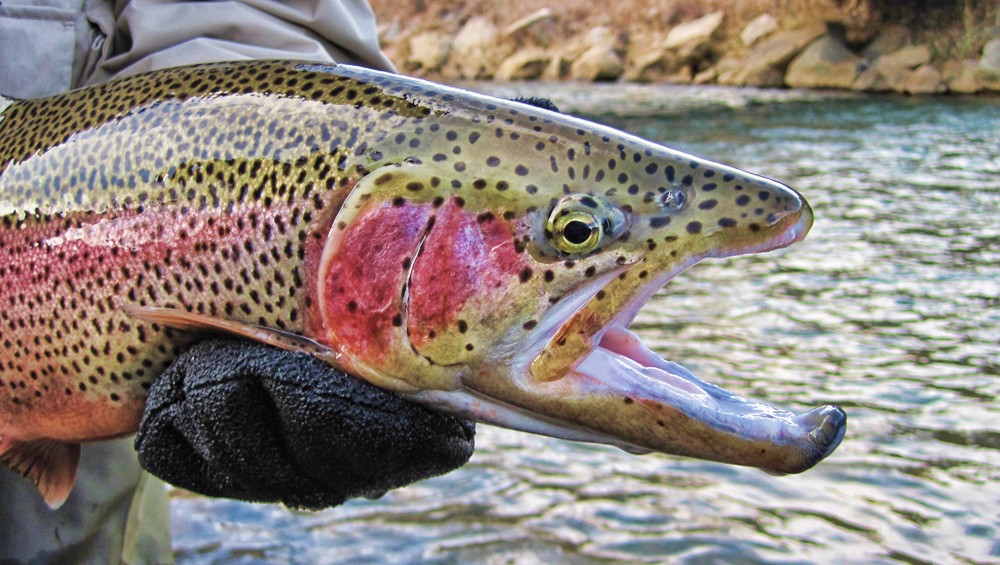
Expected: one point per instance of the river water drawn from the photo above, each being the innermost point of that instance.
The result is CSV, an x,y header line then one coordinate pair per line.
x,y
890,309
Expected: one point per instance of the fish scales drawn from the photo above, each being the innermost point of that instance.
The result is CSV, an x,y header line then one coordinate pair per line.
x,y
171,197
476,255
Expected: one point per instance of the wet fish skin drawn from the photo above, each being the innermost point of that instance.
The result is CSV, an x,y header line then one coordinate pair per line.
x,y
402,229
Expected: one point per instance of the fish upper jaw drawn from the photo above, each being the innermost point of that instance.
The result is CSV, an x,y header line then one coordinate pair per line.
x,y
791,229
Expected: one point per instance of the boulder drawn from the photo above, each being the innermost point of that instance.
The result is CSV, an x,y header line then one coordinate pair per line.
x,y
473,50
536,26
870,80
892,37
758,28
597,64
602,37
990,61
727,64
765,64
909,57
988,74
527,64
894,68
697,32
558,68
825,63
961,76
659,65
428,51
925,79
528,21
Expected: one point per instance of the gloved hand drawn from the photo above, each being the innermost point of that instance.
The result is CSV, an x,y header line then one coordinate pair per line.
x,y
243,420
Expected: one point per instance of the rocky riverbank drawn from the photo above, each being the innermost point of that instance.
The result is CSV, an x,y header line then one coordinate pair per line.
x,y
910,46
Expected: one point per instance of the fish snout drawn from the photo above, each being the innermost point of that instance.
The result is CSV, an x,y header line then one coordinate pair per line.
x,y
827,426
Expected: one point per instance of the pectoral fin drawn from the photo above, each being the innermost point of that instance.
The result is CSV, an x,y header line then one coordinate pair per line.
x,y
49,464
190,321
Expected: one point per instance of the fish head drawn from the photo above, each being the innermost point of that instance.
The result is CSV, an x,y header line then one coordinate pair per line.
x,y
492,262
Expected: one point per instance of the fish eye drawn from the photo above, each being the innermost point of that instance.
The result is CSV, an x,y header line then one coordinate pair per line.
x,y
579,231
576,232
581,223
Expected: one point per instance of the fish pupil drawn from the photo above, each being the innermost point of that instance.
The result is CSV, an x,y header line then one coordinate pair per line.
x,y
578,232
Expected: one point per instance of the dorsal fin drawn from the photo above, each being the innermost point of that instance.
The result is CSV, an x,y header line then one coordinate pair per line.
x,y
49,464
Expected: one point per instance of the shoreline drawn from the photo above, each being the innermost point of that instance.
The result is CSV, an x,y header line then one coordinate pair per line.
x,y
859,45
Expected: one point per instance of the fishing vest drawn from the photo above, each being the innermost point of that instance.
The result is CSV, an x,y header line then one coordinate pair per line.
x,y
75,33
88,41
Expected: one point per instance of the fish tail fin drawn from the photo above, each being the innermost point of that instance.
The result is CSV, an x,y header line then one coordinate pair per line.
x,y
49,464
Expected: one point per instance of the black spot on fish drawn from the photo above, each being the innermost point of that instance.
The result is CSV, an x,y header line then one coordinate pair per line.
x,y
694,227
659,221
708,204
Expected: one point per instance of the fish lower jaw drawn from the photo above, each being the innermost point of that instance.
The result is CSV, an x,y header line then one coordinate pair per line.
x,y
623,368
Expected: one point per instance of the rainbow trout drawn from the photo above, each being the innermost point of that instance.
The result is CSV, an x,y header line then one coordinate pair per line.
x,y
480,256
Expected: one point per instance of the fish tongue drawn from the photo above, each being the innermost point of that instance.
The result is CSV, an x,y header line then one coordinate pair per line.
x,y
674,380
621,341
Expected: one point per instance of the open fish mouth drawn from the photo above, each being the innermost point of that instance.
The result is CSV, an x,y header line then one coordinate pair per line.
x,y
622,393
685,415
717,424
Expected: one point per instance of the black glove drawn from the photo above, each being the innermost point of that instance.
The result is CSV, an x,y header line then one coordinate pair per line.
x,y
242,420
